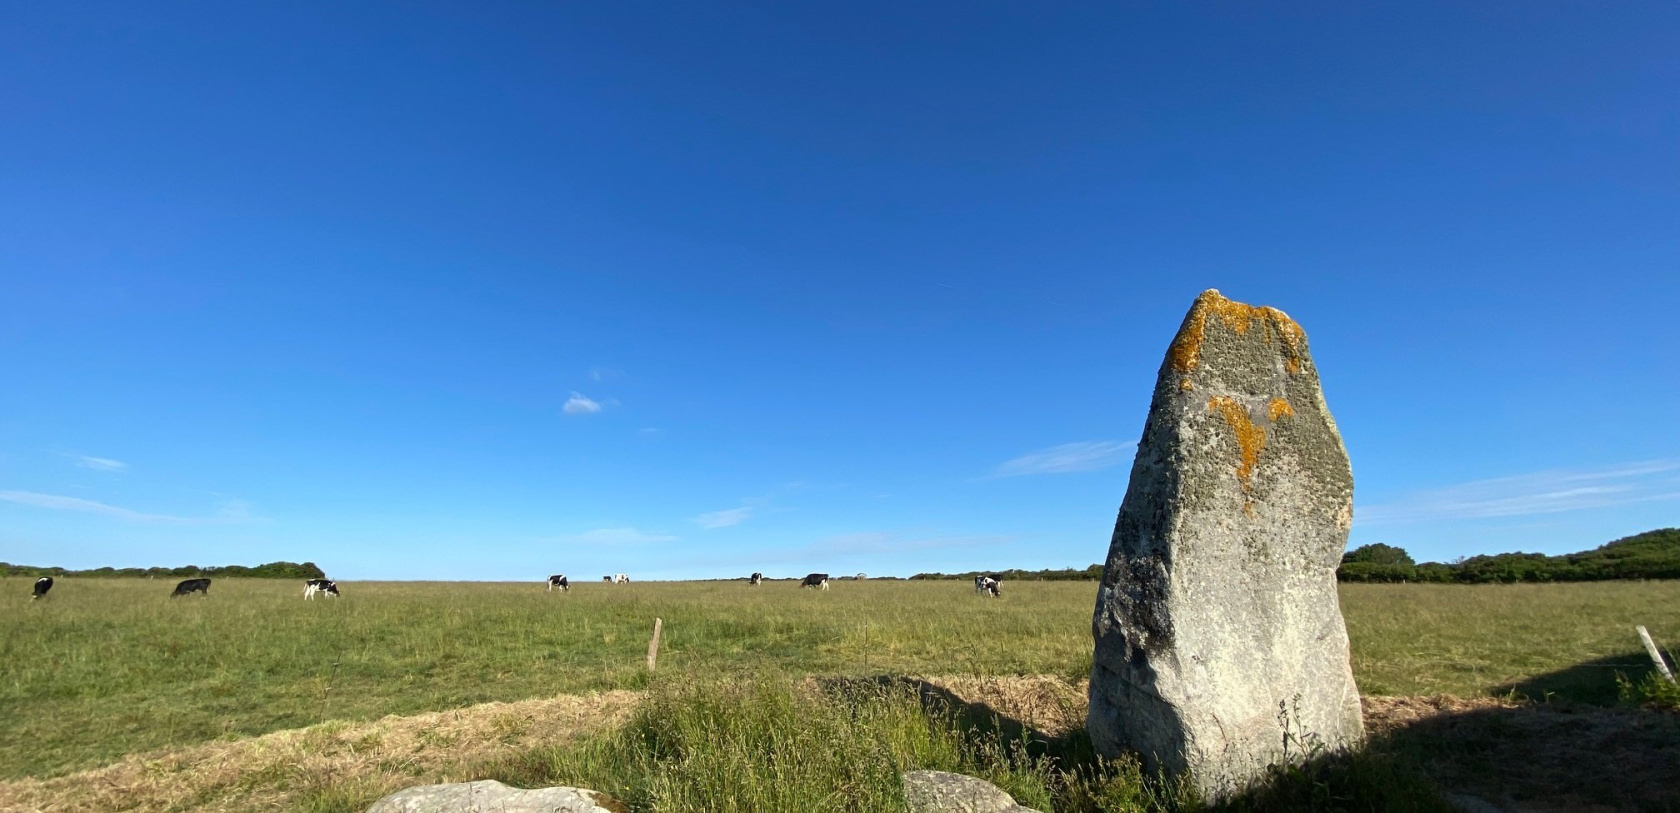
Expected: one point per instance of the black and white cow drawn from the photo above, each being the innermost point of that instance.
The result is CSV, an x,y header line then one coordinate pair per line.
x,y
326,587
607,579
42,585
815,580
988,585
756,578
559,581
621,578
191,586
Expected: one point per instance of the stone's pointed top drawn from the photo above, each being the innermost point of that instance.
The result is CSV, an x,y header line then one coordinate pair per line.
x,y
1185,353
1218,606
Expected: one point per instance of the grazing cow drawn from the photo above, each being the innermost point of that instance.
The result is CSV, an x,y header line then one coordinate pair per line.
x,y
560,582
326,587
42,585
191,586
815,580
621,578
607,579
756,578
988,585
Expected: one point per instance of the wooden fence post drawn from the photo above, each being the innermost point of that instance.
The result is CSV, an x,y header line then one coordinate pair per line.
x,y
1656,654
653,645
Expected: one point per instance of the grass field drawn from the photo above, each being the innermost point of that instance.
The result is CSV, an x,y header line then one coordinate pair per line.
x,y
107,667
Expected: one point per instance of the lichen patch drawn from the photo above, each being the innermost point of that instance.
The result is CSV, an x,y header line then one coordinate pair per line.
x,y
1279,408
1185,352
1251,439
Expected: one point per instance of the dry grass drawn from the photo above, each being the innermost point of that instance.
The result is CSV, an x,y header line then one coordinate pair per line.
x,y
283,770
279,771
171,697
1521,757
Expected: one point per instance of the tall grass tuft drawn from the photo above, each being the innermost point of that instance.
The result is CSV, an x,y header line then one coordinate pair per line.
x,y
1653,690
774,744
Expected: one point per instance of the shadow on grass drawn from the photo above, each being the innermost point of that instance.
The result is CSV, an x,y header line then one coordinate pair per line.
x,y
1435,754
1591,682
983,721
1540,756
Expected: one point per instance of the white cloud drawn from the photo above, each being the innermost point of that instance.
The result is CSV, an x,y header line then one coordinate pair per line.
x,y
616,536
100,463
724,519
232,511
580,404
1089,455
1546,492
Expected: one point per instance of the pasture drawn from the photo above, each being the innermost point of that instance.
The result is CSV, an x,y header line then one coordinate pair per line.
x,y
107,667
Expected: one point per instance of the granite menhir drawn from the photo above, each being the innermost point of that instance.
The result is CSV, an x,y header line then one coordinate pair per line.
x,y
1220,647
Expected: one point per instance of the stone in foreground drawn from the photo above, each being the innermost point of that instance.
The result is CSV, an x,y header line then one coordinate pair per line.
x,y
941,792
1220,647
490,796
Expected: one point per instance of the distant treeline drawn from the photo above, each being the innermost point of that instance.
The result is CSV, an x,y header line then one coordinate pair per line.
x,y
272,570
1650,555
1067,574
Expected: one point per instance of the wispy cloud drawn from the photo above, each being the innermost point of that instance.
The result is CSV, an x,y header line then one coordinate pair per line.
x,y
1089,455
616,536
600,374
100,463
1545,492
580,404
724,519
232,511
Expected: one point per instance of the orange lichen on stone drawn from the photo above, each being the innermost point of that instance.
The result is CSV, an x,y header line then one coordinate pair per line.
x,y
1279,408
1186,349
1293,338
1251,439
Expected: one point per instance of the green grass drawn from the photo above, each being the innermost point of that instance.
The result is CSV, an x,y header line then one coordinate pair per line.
x,y
1537,641
764,745
761,744
105,667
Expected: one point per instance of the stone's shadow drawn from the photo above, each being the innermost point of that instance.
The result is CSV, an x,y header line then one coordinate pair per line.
x,y
1591,682
1421,754
1540,757
1047,725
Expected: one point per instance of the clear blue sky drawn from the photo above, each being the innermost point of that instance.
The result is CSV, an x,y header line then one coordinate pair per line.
x,y
492,291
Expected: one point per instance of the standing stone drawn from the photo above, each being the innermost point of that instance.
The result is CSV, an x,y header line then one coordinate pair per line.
x,y
1220,647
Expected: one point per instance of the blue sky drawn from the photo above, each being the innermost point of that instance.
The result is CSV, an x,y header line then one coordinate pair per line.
x,y
490,291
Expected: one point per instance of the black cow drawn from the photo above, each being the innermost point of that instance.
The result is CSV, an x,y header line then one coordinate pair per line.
x,y
191,586
607,579
559,581
756,578
313,586
815,580
42,585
